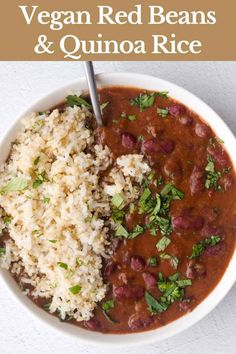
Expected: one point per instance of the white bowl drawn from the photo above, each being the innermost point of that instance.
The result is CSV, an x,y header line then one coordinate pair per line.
x,y
227,281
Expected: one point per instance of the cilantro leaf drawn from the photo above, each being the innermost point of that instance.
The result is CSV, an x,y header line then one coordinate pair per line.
x,y
74,100
138,230
163,243
163,112
75,289
117,201
118,216
2,251
62,265
154,306
143,101
109,304
152,261
103,106
199,248
121,231
40,179
16,184
212,176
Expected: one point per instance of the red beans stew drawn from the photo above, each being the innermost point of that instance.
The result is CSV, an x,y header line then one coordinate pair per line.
x,y
185,220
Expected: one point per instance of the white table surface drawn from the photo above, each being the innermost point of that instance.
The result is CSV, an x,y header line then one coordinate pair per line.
x,y
20,84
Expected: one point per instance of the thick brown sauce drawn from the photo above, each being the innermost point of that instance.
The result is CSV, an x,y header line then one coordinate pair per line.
x,y
215,209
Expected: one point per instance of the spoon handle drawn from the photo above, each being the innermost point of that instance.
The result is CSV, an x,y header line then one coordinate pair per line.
x,y
88,66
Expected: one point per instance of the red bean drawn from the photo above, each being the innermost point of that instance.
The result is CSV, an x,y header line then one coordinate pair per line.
x,y
197,223
150,280
137,263
136,321
109,269
218,154
200,269
187,222
126,257
184,306
135,292
226,182
173,169
202,130
197,180
123,277
209,230
195,269
185,120
176,110
115,243
167,146
210,214
128,140
150,146
180,223
214,250
190,271
93,324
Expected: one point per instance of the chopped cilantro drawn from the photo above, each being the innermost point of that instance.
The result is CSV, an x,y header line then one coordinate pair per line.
x,y
53,241
117,201
103,106
173,260
36,161
212,176
46,200
109,304
163,243
140,138
121,231
132,117
152,261
7,219
146,100
146,202
172,288
74,100
62,265
170,188
143,101
138,230
165,256
16,184
2,251
40,179
160,181
118,216
183,283
46,307
199,248
163,112
75,289
163,94
154,306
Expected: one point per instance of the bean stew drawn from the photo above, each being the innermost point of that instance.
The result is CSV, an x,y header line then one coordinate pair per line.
x,y
173,246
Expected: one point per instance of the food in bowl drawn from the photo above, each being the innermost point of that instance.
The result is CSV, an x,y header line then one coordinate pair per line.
x,y
123,228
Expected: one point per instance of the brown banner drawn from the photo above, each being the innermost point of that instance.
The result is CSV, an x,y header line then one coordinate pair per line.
x,y
117,30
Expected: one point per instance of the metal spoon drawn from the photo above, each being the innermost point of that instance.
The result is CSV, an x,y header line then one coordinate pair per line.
x,y
88,66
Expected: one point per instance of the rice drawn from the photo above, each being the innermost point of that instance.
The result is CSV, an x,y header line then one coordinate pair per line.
x,y
57,228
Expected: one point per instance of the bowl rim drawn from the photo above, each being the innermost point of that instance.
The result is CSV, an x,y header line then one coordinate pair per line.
x,y
215,296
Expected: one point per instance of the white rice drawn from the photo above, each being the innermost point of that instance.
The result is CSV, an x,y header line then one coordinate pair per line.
x,y
62,220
